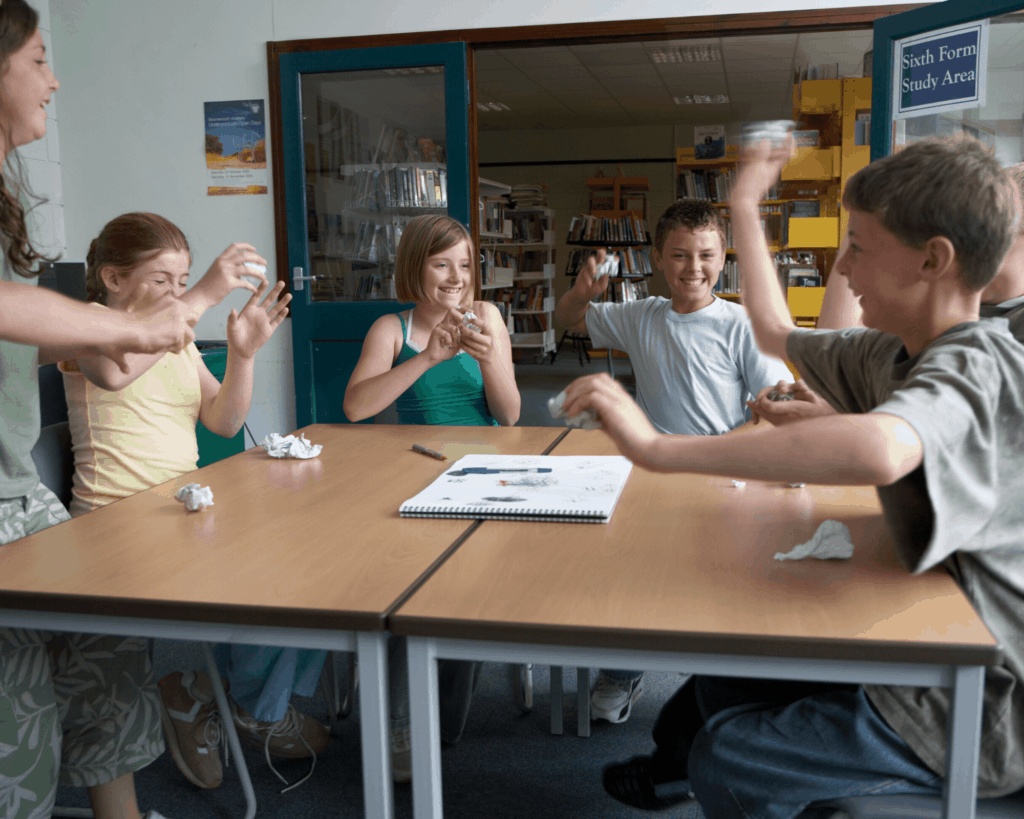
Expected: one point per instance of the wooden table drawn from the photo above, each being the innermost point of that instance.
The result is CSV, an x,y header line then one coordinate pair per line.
x,y
309,553
683,579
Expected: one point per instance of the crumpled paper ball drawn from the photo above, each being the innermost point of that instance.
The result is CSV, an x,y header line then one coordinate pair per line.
x,y
288,446
467,320
832,541
609,267
585,420
195,497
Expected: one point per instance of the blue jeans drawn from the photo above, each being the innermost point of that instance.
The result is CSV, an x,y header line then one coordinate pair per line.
x,y
769,748
263,678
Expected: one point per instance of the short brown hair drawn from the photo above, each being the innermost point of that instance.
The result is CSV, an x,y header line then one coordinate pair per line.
x,y
695,214
423,237
943,186
125,243
1016,174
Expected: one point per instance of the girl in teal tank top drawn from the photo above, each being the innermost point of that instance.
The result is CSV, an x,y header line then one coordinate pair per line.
x,y
451,392
438,370
436,363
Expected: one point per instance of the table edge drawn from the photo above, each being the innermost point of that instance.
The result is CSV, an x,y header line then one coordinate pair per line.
x,y
750,645
217,613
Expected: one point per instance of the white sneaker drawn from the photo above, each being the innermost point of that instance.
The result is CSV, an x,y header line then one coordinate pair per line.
x,y
401,754
154,815
613,700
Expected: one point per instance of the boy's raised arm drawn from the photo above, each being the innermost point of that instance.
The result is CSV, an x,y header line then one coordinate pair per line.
x,y
571,310
762,296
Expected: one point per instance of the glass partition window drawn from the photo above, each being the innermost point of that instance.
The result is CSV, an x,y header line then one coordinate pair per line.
x,y
999,122
374,144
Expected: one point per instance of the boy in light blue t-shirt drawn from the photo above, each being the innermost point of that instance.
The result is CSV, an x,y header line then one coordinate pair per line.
x,y
694,356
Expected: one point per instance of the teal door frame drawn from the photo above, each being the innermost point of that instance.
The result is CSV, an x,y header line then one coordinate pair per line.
x,y
907,24
317,322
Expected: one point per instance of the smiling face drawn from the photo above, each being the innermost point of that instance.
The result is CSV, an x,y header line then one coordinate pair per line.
x,y
882,271
160,275
691,261
448,277
25,89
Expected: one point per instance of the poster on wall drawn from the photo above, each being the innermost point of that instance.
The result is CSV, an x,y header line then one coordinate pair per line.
x,y
709,141
236,147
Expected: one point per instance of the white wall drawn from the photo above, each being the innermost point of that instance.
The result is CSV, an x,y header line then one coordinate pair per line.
x,y
134,76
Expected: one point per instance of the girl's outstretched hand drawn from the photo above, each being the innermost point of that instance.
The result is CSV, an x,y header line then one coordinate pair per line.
x,y
478,343
250,329
444,338
230,272
620,417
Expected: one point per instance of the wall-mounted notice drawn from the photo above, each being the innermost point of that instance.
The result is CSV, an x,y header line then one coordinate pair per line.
x,y
940,70
236,147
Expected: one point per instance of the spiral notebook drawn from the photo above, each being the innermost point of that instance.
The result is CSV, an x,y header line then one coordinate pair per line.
x,y
565,488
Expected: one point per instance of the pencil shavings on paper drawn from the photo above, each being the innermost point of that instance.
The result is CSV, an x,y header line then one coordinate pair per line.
x,y
288,446
195,497
832,541
585,420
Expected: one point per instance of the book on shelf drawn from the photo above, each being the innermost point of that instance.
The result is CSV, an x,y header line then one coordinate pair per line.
x,y
564,488
528,195
806,139
634,262
493,214
623,230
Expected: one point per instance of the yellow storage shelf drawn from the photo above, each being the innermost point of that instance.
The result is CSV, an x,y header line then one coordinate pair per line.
x,y
818,231
811,163
821,96
805,301
854,158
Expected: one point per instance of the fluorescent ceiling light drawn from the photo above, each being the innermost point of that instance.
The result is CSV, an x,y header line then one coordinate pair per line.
x,y
700,99
492,106
686,54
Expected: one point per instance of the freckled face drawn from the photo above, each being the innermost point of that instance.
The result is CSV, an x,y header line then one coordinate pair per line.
x,y
164,274
448,276
25,89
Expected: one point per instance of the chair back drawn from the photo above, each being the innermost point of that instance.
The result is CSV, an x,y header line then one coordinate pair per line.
x,y
54,460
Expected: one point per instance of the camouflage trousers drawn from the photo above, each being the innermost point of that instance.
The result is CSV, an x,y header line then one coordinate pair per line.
x,y
83,707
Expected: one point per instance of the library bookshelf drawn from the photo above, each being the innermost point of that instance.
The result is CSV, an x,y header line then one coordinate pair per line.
x,y
518,259
803,218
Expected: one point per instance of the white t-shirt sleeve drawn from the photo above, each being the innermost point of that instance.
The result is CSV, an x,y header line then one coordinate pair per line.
x,y
611,324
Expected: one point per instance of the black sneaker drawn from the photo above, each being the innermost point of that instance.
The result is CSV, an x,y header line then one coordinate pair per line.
x,y
632,783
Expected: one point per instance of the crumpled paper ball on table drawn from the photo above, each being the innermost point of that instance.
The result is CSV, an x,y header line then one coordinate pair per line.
x,y
831,541
585,420
195,497
288,446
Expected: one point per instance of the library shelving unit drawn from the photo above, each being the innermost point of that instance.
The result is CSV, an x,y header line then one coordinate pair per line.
x,y
619,207
804,217
355,220
521,261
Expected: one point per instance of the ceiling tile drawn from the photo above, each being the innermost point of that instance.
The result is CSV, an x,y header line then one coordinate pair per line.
x,y
645,69
528,58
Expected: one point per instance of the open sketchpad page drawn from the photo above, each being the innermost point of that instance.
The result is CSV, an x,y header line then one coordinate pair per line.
x,y
573,488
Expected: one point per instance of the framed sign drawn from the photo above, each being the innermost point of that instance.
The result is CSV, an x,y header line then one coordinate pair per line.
x,y
940,70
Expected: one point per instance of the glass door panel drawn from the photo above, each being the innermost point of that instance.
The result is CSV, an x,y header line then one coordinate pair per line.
x,y
997,122
370,138
374,144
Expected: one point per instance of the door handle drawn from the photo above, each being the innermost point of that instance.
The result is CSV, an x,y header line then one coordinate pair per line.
x,y
298,279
